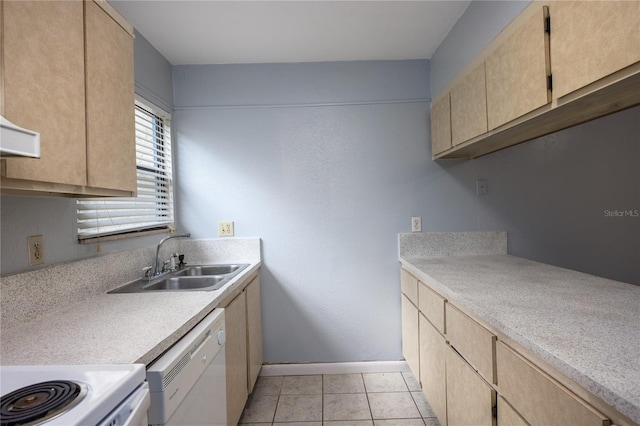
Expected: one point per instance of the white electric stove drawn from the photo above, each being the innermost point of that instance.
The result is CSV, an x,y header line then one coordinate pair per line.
x,y
54,395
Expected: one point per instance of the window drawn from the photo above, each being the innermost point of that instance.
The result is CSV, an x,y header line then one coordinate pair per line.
x,y
152,209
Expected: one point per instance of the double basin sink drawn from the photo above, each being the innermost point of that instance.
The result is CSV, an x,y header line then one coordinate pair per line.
x,y
189,278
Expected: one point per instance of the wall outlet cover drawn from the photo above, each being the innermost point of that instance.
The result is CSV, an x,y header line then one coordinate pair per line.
x,y
416,224
225,229
36,250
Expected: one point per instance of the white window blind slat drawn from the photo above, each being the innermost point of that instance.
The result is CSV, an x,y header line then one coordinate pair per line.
x,y
153,207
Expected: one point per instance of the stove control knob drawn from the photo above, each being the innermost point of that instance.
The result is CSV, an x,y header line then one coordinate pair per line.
x,y
221,337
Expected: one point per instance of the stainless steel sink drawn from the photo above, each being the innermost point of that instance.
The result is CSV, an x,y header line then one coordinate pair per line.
x,y
213,282
196,271
190,278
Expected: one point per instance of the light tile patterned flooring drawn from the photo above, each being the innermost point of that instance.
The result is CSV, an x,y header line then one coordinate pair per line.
x,y
368,399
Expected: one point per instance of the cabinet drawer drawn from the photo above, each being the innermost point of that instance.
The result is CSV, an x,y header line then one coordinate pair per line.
x,y
470,400
409,285
507,416
431,305
475,343
528,389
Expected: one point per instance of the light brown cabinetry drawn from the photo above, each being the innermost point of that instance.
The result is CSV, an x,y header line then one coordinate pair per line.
x,y
409,306
410,343
433,348
474,342
432,306
111,155
67,73
591,40
236,357
517,72
43,87
243,349
470,400
507,416
469,106
254,332
441,124
589,49
528,390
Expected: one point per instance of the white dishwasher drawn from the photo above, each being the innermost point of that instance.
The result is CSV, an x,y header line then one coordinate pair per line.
x,y
188,382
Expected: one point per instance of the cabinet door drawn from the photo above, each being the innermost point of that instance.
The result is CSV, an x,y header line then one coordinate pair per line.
x,y
254,332
507,415
236,357
433,352
528,389
590,40
517,72
43,67
410,335
469,107
441,125
470,400
475,343
111,157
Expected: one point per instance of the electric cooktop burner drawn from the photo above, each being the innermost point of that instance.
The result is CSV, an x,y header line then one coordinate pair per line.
x,y
39,402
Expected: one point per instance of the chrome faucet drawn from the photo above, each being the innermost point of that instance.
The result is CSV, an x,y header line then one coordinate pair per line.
x,y
156,270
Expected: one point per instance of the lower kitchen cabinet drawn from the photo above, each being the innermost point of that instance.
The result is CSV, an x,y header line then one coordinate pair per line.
x,y
470,400
243,348
236,357
410,348
507,415
254,332
537,396
433,350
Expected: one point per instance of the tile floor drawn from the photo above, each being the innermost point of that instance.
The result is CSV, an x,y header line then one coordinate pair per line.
x,y
368,399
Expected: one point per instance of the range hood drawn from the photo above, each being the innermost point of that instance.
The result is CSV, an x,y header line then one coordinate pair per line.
x,y
18,142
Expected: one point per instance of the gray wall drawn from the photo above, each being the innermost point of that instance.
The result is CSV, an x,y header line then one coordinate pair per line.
x,y
54,218
327,164
480,23
552,194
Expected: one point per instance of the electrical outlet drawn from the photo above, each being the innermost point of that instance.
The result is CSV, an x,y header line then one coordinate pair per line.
x,y
36,250
416,224
482,186
225,229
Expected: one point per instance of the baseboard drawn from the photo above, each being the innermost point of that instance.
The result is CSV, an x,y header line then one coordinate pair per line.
x,y
334,368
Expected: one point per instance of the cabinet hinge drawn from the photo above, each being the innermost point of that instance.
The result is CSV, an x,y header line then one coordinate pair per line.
x,y
547,25
550,82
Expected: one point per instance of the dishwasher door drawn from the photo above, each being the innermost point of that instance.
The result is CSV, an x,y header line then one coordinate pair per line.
x,y
188,382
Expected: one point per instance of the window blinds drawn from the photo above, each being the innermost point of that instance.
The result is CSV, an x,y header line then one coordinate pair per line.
x,y
153,207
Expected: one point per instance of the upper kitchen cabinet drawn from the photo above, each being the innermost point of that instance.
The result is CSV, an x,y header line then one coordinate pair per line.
x,y
556,65
441,124
111,155
43,87
517,72
67,73
469,106
591,40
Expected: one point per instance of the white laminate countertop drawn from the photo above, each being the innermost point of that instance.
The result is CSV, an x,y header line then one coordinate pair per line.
x,y
119,328
586,327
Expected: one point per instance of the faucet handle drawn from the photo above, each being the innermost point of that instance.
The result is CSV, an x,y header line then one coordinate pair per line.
x,y
147,271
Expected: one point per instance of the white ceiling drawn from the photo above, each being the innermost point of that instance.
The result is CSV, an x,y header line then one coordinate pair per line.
x,y
224,32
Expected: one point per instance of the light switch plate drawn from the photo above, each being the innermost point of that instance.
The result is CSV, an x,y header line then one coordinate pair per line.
x,y
225,229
